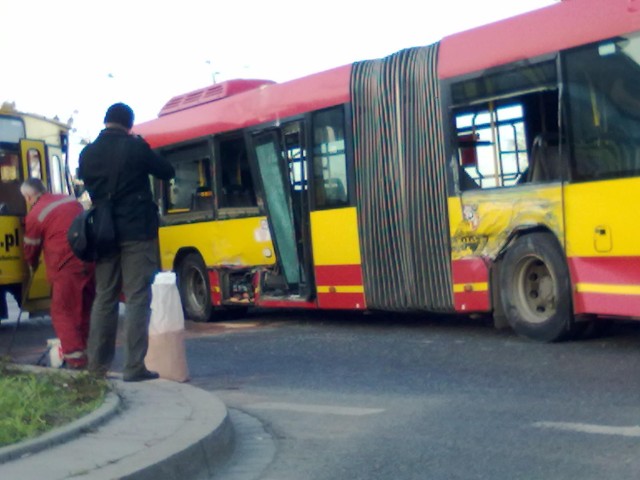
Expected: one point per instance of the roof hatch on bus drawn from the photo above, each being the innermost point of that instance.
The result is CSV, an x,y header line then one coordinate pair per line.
x,y
211,93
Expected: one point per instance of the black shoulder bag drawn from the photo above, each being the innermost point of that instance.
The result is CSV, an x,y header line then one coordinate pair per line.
x,y
92,234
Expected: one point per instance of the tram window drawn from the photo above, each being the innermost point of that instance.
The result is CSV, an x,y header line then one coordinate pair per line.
x,y
34,161
57,185
237,189
329,159
11,129
8,167
11,201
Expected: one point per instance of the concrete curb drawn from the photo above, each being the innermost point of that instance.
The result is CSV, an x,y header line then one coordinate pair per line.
x,y
143,431
108,409
198,449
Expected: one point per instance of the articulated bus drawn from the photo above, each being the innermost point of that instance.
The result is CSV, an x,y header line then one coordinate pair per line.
x,y
30,146
493,172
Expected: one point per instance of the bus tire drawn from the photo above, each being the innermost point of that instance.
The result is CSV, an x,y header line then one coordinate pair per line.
x,y
535,288
195,292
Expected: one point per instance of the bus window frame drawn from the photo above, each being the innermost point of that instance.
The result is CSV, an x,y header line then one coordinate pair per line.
x,y
504,98
230,212
575,175
204,147
348,153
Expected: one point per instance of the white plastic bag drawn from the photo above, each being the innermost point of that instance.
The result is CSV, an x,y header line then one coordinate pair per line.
x,y
166,307
166,353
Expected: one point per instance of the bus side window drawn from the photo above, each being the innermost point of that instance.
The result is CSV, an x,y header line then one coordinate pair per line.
x,y
191,188
497,116
237,189
604,105
329,159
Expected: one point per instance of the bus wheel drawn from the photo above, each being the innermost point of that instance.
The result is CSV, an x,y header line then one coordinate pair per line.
x,y
193,283
535,288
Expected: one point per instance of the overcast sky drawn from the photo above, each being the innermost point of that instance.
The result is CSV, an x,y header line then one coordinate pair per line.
x,y
77,57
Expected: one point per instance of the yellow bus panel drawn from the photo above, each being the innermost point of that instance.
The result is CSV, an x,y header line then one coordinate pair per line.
x,y
335,237
242,242
481,221
603,218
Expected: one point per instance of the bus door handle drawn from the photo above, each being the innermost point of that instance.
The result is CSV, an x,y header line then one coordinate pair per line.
x,y
602,238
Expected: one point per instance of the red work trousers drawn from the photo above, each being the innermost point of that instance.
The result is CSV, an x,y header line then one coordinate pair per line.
x,y
73,291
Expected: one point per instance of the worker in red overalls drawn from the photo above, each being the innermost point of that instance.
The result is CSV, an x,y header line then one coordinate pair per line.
x,y
72,280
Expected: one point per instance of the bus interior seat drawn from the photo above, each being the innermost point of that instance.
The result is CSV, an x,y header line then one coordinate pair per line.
x,y
547,158
605,155
335,191
202,200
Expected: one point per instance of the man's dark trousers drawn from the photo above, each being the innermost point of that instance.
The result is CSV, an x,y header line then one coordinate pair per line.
x,y
131,272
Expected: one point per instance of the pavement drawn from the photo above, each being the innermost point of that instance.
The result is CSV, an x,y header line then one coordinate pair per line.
x,y
156,429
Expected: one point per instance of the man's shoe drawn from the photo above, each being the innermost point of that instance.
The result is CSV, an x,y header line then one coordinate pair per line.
x,y
141,377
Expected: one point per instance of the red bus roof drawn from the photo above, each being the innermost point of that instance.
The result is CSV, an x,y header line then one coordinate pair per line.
x,y
211,93
260,105
549,29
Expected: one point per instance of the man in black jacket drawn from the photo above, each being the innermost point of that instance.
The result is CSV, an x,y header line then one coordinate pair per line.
x,y
131,268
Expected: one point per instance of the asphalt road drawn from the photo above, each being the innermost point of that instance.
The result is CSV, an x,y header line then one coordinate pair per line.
x,y
374,397
326,395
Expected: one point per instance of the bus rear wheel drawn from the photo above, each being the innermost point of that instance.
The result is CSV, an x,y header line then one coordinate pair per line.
x,y
193,284
535,288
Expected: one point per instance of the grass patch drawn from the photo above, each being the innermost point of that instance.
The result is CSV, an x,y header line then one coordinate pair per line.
x,y
32,403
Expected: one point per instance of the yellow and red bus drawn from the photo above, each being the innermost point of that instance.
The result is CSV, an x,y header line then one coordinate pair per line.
x,y
30,146
495,171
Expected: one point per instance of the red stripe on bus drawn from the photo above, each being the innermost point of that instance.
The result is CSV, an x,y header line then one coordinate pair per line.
x,y
609,270
617,271
214,284
338,275
470,270
341,301
471,302
607,304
